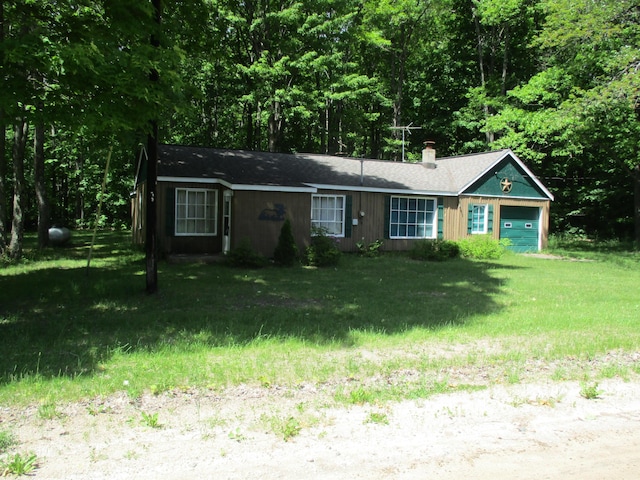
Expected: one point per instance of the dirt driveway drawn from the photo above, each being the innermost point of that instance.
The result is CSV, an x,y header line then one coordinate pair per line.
x,y
523,431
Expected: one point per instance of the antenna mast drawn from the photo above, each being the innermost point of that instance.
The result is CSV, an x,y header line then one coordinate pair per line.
x,y
407,129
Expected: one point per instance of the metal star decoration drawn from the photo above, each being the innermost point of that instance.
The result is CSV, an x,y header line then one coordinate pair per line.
x,y
506,185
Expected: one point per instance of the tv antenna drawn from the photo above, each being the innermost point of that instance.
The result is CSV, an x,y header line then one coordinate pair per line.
x,y
405,129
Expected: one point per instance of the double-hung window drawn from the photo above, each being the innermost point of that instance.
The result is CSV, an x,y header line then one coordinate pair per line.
x,y
412,217
479,218
327,214
196,211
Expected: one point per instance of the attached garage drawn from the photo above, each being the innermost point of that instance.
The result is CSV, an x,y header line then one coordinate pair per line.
x,y
521,225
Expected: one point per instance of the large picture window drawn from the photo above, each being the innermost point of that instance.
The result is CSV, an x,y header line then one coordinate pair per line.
x,y
196,211
412,217
327,213
479,218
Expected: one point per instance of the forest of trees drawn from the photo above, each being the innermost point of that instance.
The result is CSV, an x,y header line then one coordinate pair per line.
x,y
557,81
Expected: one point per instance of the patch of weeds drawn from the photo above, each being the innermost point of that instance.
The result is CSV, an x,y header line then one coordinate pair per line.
x,y
19,465
559,374
378,418
403,391
548,401
590,391
612,371
237,435
518,402
157,389
264,382
369,250
285,428
95,410
7,440
357,396
291,428
131,455
513,376
48,411
216,421
94,456
150,419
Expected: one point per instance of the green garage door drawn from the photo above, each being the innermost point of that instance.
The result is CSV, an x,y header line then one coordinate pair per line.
x,y
521,226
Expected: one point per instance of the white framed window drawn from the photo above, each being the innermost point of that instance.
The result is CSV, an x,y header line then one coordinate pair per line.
x,y
196,211
412,217
479,218
327,214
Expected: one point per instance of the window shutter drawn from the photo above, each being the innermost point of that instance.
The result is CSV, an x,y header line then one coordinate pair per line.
x,y
348,216
490,219
440,218
470,219
170,211
387,215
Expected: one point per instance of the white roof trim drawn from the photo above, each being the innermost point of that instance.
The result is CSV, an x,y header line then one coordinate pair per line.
x,y
273,188
342,188
502,197
519,162
213,181
238,187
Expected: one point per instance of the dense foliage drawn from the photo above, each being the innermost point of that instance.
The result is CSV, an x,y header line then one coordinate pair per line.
x,y
555,80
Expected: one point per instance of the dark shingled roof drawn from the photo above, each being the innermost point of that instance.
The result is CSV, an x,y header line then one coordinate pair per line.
x,y
240,169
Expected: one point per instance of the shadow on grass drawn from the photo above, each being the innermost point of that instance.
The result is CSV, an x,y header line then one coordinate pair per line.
x,y
63,321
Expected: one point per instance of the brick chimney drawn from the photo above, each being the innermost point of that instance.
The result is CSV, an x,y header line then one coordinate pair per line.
x,y
429,154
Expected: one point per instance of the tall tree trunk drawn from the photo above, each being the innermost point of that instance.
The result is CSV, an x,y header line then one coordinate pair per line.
x,y
151,250
324,131
275,126
505,60
17,226
78,199
257,135
40,185
3,176
248,118
483,82
636,202
3,158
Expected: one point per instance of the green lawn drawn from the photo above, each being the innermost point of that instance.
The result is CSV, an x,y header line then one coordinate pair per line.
x,y
68,332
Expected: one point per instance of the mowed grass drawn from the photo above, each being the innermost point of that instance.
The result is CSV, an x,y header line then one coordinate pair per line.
x,y
68,332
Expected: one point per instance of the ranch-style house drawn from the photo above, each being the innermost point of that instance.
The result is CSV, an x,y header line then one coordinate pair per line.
x,y
210,200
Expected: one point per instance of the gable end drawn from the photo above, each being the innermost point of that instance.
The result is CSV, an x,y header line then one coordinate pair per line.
x,y
508,179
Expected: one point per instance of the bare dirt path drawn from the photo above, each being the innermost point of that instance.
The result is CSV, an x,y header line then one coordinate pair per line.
x,y
524,431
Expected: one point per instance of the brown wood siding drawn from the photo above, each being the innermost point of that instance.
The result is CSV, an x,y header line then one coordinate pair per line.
x,y
259,216
371,225
456,218
186,244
